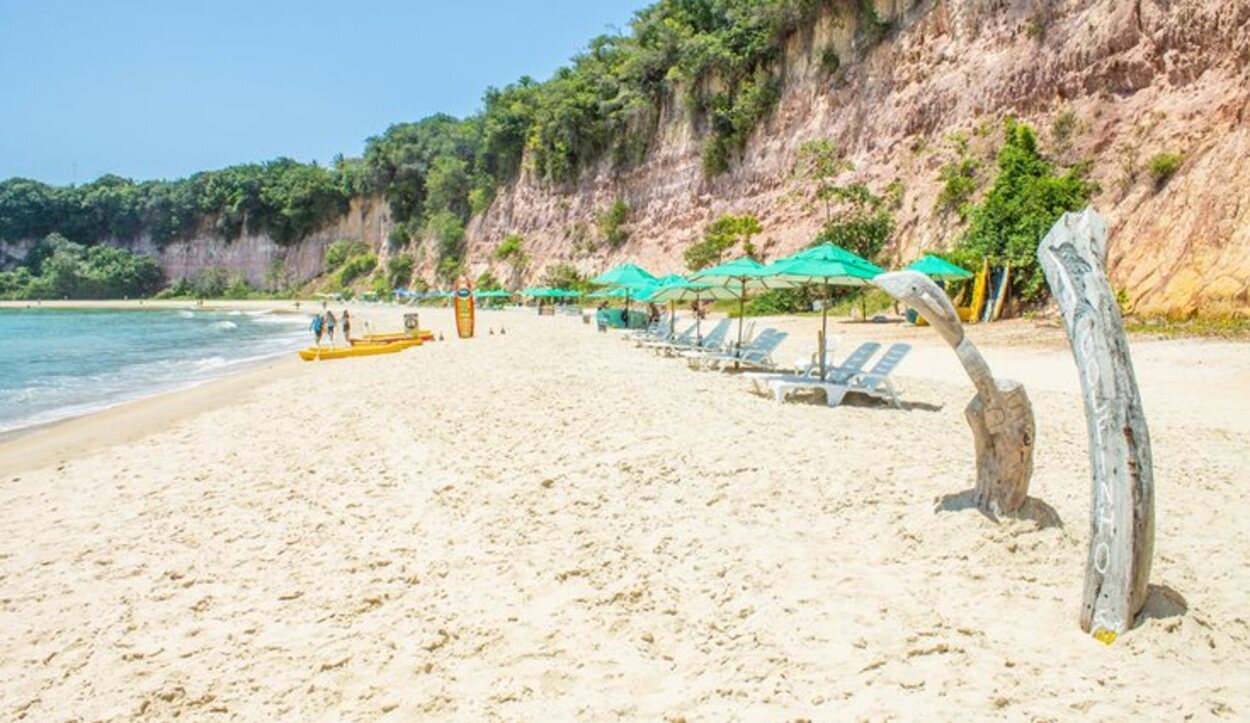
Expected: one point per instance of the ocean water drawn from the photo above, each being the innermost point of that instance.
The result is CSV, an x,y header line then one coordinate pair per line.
x,y
57,363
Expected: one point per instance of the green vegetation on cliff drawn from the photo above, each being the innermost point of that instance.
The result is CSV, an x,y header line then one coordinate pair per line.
x,y
57,268
1027,197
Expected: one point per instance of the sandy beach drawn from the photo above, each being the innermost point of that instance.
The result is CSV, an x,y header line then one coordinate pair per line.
x,y
549,524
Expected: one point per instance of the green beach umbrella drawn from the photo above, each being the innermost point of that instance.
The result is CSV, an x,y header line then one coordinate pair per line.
x,y
631,277
628,275
830,265
492,294
739,277
834,252
674,288
938,268
650,296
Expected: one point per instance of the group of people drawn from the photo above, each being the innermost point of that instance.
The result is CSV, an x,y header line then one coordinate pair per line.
x,y
323,325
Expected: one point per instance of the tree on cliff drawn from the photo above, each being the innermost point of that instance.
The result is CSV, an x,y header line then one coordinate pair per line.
x,y
817,166
719,237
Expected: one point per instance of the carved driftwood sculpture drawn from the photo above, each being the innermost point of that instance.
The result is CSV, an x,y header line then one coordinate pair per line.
x,y
1000,414
1122,516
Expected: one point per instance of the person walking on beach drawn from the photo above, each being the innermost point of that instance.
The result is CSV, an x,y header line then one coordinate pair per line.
x,y
330,326
318,327
347,326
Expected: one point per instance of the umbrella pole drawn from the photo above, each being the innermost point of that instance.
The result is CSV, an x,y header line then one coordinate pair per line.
x,y
742,305
698,318
824,330
672,319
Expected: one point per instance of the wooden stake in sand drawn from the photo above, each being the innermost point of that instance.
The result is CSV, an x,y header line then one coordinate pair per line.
x,y
1121,543
1000,414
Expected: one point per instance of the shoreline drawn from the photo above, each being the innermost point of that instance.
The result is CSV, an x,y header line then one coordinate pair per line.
x,y
126,420
77,436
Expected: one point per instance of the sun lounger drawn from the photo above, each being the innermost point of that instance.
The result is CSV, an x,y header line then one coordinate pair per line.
x,y
655,330
712,340
875,382
836,376
810,366
756,355
663,336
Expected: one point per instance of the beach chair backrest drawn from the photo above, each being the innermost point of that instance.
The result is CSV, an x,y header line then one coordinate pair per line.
x,y
887,363
716,335
765,344
687,334
769,345
853,362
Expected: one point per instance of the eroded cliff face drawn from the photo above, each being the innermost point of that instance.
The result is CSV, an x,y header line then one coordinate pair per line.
x,y
1140,77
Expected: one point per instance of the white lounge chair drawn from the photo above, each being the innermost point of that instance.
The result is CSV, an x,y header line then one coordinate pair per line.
x,y
844,379
663,337
713,340
835,374
756,355
876,381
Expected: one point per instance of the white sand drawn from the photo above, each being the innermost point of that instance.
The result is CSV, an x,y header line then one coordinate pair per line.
x,y
550,525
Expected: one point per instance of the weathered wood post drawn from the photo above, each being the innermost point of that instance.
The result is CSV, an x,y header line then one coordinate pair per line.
x,y
1000,414
1121,540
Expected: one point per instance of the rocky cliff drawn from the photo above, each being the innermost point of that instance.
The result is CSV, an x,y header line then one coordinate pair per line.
x,y
1132,78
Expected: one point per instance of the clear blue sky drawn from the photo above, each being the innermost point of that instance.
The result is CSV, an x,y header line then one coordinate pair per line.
x,y
164,88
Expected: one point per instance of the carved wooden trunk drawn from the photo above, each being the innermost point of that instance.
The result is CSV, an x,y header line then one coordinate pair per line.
x,y
1122,516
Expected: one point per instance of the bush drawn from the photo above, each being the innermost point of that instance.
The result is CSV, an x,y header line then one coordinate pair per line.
x,y
1025,200
238,288
715,156
448,269
480,198
959,183
398,236
448,233
380,287
340,251
1163,166
565,276
486,281
210,282
829,60
861,224
1064,126
511,249
611,222
356,267
779,301
399,269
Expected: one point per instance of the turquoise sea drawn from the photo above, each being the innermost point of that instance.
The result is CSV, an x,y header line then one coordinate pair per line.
x,y
58,363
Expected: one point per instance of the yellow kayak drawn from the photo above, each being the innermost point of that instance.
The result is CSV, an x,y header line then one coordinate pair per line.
x,y
422,334
316,354
403,343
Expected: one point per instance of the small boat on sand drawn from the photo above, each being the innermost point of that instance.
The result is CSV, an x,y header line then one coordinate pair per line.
x,y
323,354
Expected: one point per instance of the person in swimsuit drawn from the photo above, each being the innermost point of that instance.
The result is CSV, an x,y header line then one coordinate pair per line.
x,y
347,326
330,326
318,328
